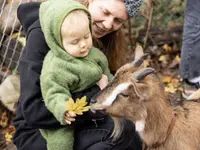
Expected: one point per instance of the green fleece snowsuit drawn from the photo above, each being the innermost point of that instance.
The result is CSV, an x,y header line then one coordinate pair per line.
x,y
63,74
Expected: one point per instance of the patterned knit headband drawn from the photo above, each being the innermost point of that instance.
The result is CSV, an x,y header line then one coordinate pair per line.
x,y
132,7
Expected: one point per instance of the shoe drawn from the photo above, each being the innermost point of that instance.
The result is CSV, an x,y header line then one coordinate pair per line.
x,y
191,90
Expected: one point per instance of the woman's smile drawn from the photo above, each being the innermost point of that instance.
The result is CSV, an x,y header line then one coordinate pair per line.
x,y
98,30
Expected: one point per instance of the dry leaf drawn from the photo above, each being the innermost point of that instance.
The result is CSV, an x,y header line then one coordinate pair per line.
x,y
178,59
170,88
167,79
77,107
162,58
8,138
167,48
175,82
21,40
4,120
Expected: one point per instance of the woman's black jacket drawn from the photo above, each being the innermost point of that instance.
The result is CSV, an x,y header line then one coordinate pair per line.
x,y
31,111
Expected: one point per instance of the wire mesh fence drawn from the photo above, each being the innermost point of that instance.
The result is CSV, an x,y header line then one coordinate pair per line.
x,y
11,45
12,38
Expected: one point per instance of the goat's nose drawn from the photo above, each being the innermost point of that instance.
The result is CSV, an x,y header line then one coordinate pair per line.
x,y
93,101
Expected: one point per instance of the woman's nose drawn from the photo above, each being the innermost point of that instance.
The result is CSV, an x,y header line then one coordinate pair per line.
x,y
108,23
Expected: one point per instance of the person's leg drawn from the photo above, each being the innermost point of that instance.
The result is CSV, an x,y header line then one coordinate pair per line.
x,y
190,53
96,136
59,138
136,143
30,140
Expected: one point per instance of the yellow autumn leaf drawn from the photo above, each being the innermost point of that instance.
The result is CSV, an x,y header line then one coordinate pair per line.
x,y
175,82
167,48
79,106
86,108
22,40
15,35
70,105
8,138
178,59
79,112
81,102
170,88
167,79
162,58
4,120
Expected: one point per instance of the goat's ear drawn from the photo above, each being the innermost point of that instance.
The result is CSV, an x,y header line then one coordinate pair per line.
x,y
138,51
144,96
139,56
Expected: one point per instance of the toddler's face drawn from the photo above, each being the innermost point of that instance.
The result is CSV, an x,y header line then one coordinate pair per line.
x,y
79,43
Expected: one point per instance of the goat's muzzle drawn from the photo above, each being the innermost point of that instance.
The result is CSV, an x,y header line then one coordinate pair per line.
x,y
93,101
96,106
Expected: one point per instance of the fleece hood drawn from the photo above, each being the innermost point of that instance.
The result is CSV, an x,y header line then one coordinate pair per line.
x,y
52,14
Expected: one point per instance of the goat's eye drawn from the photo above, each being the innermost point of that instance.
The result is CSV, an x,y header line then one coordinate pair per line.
x,y
123,95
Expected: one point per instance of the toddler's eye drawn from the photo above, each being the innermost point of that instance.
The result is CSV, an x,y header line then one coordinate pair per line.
x,y
86,36
74,42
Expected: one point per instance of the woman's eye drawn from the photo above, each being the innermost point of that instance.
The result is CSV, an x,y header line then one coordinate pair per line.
x,y
104,11
123,95
118,21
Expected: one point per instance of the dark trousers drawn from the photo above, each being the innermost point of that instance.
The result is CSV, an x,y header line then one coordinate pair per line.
x,y
190,52
88,136
96,136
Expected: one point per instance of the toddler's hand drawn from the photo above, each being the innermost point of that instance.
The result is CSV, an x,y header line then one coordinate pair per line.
x,y
69,117
103,81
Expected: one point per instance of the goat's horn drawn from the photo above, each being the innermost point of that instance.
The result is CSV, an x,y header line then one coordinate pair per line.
x,y
141,74
138,62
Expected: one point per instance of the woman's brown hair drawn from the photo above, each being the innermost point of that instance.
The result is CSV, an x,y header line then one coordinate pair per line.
x,y
113,45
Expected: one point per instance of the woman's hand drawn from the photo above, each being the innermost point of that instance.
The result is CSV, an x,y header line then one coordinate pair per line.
x,y
103,81
69,117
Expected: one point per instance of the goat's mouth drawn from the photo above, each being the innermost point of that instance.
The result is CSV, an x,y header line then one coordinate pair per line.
x,y
98,107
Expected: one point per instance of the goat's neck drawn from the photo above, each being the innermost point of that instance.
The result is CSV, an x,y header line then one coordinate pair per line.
x,y
157,122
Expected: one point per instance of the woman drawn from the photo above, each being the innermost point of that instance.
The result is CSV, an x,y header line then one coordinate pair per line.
x,y
91,132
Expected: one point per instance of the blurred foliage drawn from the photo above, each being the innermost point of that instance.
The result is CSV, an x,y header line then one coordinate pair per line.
x,y
166,13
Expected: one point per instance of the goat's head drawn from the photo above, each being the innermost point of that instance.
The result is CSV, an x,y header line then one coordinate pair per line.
x,y
125,96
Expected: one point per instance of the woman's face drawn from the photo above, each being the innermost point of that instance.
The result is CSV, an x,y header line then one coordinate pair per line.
x,y
107,16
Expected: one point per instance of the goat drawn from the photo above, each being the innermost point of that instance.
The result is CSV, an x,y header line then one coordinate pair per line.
x,y
136,93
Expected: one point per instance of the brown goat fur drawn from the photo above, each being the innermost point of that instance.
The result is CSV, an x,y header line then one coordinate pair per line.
x,y
144,103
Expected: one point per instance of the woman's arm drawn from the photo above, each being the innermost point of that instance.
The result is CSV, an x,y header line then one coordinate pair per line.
x,y
33,108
